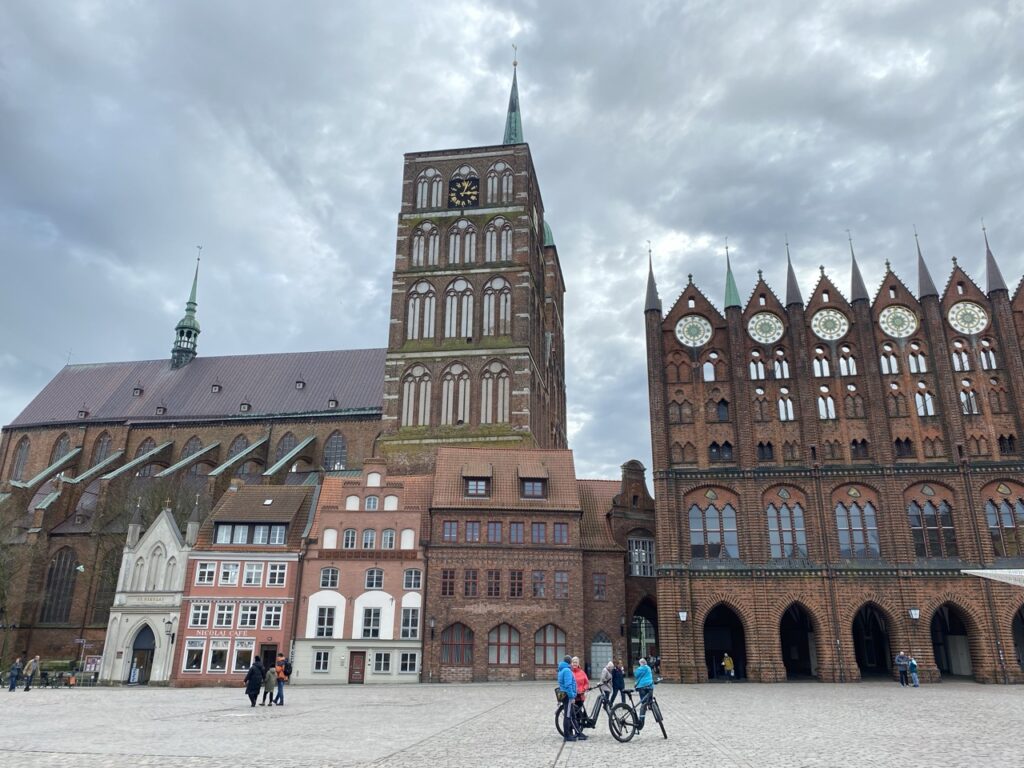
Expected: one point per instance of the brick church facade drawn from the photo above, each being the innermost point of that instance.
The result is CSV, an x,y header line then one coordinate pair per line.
x,y
824,470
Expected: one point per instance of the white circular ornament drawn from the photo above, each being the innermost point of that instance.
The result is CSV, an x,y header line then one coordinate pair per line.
x,y
693,331
967,317
765,328
829,325
898,322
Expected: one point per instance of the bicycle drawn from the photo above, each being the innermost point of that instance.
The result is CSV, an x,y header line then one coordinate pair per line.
x,y
623,726
647,702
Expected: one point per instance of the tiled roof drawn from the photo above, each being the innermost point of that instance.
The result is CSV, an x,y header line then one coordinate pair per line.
x,y
449,489
290,506
596,497
354,378
414,493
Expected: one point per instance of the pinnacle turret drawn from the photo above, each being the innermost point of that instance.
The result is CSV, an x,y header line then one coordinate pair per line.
x,y
858,291
186,332
732,295
653,302
925,284
993,277
792,286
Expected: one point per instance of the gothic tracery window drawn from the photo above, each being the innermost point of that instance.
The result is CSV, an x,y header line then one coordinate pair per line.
x,y
497,319
931,526
416,397
429,189
425,240
786,534
500,181
498,240
462,243
455,398
888,361
494,394
20,459
335,452
857,526
60,587
1005,518
713,532
60,448
101,449
458,309
420,311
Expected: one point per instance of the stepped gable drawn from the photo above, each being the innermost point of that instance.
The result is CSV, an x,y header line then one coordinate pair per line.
x,y
771,300
505,467
597,497
354,378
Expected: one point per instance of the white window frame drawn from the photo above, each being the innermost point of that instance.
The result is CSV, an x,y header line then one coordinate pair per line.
x,y
409,663
378,580
206,573
239,535
253,568
382,662
242,645
277,535
227,569
248,615
223,534
277,574
224,616
273,615
321,661
197,610
194,644
325,621
371,622
261,534
410,624
329,578
412,579
218,644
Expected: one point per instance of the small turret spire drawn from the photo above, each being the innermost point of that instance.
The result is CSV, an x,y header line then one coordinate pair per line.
x,y
192,526
135,525
653,303
792,286
858,291
186,332
514,119
993,277
925,284
732,295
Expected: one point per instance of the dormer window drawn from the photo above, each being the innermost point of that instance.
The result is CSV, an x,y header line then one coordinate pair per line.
x,y
136,391
161,410
332,403
244,407
215,388
533,488
479,487
300,384
83,414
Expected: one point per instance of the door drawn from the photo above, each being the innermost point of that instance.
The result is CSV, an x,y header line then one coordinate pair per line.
x,y
142,657
356,666
268,653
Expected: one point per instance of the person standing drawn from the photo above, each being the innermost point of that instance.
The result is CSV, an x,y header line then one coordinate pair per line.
x,y
29,672
730,667
902,662
912,666
582,686
567,685
607,687
14,674
644,684
619,681
254,680
283,668
269,686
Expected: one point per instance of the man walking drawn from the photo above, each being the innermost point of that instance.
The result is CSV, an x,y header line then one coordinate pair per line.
x,y
283,668
567,685
902,662
30,672
14,674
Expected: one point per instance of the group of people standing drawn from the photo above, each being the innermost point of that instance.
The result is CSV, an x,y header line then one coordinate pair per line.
x,y
26,672
574,684
907,667
270,679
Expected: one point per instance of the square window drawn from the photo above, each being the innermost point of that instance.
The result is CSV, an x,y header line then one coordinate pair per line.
x,y
371,623
448,582
223,534
450,530
478,486
515,533
413,579
374,578
325,622
533,489
561,533
248,614
224,618
473,532
322,661
240,534
539,533
409,662
276,573
199,616
261,534
205,573
328,578
494,533
381,661
539,586
272,616
277,533
219,655
410,623
253,575
229,574
471,582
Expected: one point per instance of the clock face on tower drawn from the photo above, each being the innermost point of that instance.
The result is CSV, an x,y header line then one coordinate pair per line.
x,y
829,325
693,331
766,328
464,193
967,317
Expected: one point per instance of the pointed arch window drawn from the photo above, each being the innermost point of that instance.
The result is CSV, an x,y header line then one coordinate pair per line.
x,y
987,356
60,448
713,533
961,362
416,397
722,410
238,445
933,446
916,360
462,243
458,309
859,449
780,367
60,587
903,448
335,452
498,240
425,239
857,526
997,398
787,536
785,404
969,400
20,459
931,526
192,447
145,447
1007,444
765,451
720,452
457,645
549,645
822,366
500,181
888,362
455,396
494,394
503,645
757,371
924,401
428,189
497,320
847,362
285,446
1005,519
101,448
826,407
854,405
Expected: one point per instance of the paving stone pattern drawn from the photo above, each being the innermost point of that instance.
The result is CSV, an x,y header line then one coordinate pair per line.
x,y
745,725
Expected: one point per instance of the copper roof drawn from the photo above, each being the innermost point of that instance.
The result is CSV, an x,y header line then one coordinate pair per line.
x,y
354,378
290,505
449,485
596,497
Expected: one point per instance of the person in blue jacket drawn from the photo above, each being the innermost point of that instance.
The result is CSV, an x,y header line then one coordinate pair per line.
x,y
567,684
644,684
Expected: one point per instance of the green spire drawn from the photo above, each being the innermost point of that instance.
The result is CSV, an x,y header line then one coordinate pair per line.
x,y
732,295
186,332
514,120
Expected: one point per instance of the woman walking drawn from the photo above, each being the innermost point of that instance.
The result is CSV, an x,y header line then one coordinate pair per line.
x,y
269,686
254,680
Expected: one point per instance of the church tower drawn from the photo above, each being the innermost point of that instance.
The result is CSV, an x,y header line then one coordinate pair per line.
x,y
475,350
186,332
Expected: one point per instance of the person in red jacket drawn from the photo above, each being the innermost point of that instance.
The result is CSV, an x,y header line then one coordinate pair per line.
x,y
582,684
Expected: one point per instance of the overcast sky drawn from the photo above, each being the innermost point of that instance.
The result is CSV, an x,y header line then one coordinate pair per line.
x,y
272,133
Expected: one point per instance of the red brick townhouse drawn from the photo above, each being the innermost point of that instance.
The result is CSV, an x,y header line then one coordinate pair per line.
x,y
242,583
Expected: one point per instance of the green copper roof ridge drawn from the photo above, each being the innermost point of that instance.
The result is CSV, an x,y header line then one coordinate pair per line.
x,y
732,295
514,118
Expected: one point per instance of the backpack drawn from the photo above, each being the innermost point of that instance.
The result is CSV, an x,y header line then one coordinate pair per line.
x,y
287,668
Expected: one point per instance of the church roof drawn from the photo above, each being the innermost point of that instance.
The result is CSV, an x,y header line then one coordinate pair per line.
x,y
353,377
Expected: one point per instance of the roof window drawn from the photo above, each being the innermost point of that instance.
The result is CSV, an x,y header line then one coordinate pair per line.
x,y
137,390
244,407
300,384
215,388
161,410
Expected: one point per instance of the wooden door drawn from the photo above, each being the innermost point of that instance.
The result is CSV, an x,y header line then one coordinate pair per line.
x,y
356,666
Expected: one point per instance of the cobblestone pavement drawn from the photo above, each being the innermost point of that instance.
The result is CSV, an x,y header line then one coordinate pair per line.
x,y
492,725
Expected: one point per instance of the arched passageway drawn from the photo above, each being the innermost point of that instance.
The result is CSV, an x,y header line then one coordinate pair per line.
x,y
871,641
643,631
950,641
142,656
796,635
1018,637
723,634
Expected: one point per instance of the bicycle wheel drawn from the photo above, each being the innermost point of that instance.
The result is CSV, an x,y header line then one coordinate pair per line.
x,y
559,720
622,722
656,710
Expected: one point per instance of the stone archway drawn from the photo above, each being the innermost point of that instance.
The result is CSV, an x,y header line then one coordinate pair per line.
x,y
724,634
871,641
1018,636
951,644
643,631
142,656
798,643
